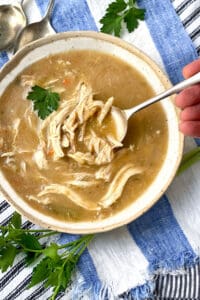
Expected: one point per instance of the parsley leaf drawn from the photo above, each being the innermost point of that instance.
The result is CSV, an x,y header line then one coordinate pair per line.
x,y
111,23
44,101
29,242
117,6
119,11
133,15
7,256
16,220
40,272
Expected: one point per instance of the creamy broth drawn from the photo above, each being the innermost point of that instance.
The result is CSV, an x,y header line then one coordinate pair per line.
x,y
23,144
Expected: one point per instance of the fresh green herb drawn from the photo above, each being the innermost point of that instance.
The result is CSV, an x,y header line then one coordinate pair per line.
x,y
118,11
56,262
189,159
44,101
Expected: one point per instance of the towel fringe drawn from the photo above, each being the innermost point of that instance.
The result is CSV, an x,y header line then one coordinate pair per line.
x,y
82,291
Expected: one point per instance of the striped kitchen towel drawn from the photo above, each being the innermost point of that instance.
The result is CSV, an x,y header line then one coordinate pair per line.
x,y
156,256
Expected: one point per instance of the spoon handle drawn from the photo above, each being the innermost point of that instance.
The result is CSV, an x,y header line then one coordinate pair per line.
x,y
49,9
175,89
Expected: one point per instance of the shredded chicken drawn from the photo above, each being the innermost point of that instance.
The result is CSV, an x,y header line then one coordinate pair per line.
x,y
44,200
63,128
107,107
60,135
82,133
9,160
28,80
40,159
82,183
77,175
23,167
117,185
82,158
70,194
51,82
16,124
52,127
104,173
8,154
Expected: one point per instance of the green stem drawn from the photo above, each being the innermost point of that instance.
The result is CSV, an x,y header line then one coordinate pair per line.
x,y
78,241
38,230
130,3
48,234
27,230
189,159
33,250
190,153
86,238
53,297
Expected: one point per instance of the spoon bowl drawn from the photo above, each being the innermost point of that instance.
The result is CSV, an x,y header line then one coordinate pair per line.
x,y
35,30
121,117
12,21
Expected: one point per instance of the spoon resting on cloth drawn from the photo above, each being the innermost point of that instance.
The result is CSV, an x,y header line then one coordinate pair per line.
x,y
121,116
35,31
12,21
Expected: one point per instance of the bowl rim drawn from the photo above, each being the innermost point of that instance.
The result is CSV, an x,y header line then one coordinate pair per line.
x,y
159,73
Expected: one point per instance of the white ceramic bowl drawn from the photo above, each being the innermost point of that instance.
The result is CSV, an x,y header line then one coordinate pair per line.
x,y
159,82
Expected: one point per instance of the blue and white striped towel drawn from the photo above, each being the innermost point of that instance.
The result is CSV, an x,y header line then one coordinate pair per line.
x,y
124,263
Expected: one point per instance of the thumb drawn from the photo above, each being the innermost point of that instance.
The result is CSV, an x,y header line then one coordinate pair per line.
x,y
191,68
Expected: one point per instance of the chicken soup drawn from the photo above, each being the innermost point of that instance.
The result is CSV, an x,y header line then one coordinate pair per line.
x,y
58,142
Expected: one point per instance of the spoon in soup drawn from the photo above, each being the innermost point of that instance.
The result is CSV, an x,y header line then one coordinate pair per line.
x,y
121,116
12,21
35,31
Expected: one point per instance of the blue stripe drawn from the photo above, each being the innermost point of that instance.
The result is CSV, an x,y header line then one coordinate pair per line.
x,y
69,15
161,239
172,41
3,58
86,267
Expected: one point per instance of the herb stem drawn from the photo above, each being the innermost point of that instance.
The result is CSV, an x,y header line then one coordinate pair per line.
x,y
48,234
39,230
130,3
28,230
79,241
33,250
53,297
189,159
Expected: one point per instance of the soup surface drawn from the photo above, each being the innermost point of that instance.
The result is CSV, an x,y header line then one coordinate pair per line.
x,y
70,165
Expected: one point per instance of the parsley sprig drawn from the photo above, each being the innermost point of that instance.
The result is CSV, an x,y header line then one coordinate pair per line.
x,y
55,263
44,101
118,11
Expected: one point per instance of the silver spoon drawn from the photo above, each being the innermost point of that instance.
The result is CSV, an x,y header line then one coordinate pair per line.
x,y
12,21
35,30
121,116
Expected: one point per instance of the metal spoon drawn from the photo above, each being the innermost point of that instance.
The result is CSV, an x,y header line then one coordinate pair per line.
x,y
121,116
35,30
12,21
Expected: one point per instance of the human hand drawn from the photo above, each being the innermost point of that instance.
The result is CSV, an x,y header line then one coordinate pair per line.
x,y
189,101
